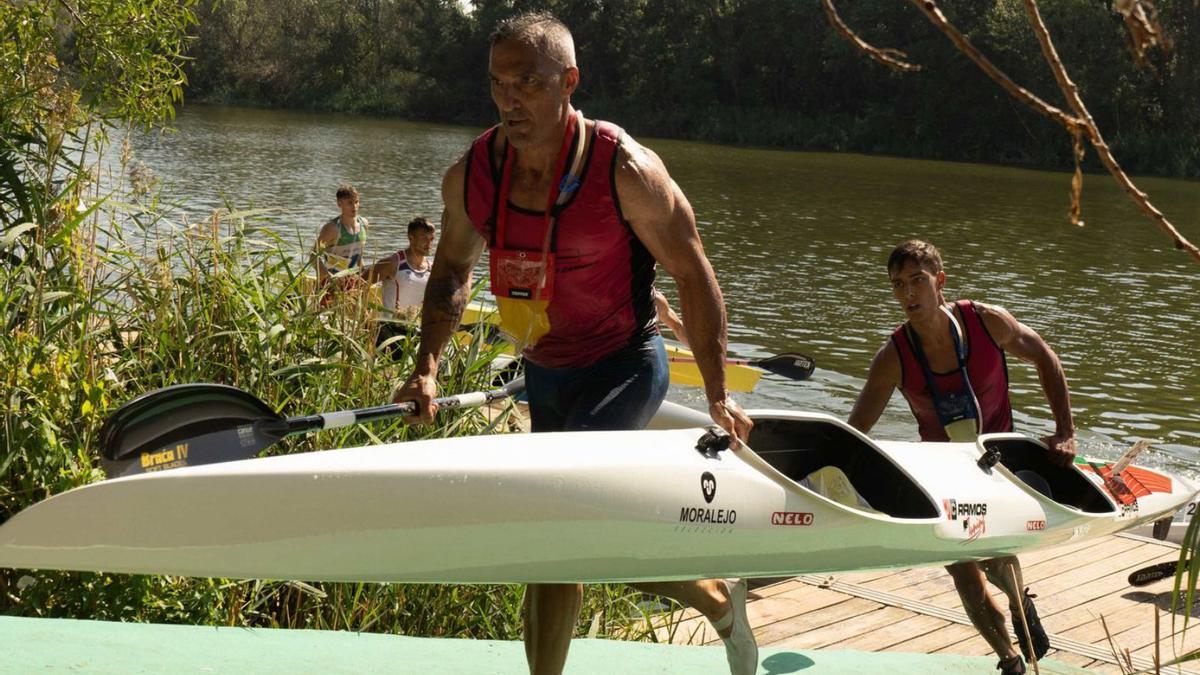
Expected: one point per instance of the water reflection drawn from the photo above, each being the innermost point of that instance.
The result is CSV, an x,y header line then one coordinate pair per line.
x,y
799,241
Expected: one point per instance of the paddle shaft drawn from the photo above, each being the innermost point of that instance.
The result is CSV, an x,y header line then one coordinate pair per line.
x,y
728,362
345,418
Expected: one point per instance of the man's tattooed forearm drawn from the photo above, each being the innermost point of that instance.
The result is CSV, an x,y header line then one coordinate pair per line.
x,y
445,300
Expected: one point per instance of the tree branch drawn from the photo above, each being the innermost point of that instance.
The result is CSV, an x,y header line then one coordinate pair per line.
x,y
73,11
934,13
1142,26
1071,92
893,58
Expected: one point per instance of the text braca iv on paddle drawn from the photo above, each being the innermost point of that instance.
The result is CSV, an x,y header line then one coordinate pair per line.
x,y
193,424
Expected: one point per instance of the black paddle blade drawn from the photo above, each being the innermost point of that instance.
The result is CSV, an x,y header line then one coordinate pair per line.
x,y
1153,573
790,365
223,445
161,429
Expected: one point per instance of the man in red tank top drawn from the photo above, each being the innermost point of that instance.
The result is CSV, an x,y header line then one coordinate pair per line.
x,y
578,249
949,363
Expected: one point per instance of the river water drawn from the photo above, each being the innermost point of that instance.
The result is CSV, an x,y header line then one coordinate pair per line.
x,y
799,242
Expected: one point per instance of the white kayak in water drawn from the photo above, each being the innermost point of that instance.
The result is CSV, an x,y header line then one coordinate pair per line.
x,y
590,507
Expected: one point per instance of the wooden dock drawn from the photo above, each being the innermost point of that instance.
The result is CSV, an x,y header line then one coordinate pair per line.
x,y
1080,588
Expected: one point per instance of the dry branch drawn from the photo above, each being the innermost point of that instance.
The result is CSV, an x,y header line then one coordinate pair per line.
x,y
1141,21
893,58
934,13
1071,93
1145,31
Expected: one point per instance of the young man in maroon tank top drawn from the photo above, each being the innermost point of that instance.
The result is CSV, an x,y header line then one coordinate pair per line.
x,y
935,345
579,249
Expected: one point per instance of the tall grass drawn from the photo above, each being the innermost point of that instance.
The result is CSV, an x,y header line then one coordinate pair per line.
x,y
114,299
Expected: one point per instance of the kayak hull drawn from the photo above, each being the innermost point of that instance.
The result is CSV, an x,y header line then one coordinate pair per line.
x,y
566,507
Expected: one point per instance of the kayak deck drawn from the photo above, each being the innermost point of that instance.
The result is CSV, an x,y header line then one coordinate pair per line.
x,y
98,647
917,610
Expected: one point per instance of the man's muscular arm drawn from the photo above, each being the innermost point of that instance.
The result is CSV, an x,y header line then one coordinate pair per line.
x,y
382,269
446,292
662,219
325,238
882,380
1023,342
668,316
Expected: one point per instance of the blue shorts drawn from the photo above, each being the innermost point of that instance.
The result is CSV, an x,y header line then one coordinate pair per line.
x,y
619,392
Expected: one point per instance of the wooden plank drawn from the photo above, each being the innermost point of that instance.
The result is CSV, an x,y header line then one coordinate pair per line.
x,y
937,639
1071,547
928,586
1106,668
1076,583
1094,600
1071,658
779,633
871,575
1165,652
1063,610
764,613
834,633
1135,631
775,588
900,632
1088,569
1102,549
787,606
687,617
1065,577
1100,590
1087,548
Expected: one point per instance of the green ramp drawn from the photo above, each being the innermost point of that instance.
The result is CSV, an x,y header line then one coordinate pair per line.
x,y
100,647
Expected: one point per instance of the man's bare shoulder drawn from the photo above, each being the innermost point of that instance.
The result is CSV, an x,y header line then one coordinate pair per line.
x,y
995,318
457,172
638,165
453,182
885,365
329,230
642,180
887,352
984,309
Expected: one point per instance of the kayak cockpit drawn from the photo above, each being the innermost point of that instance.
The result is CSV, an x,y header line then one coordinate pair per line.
x,y
804,448
1029,461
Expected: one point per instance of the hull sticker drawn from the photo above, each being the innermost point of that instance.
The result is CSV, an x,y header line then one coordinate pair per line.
x,y
793,518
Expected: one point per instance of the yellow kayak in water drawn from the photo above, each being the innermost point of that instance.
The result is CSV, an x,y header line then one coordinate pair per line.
x,y
684,371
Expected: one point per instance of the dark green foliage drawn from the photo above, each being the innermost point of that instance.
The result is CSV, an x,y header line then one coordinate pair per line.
x,y
764,72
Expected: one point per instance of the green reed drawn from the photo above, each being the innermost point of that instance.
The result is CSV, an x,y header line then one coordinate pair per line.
x,y
116,299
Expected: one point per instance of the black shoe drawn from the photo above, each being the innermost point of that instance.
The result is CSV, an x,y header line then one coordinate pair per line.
x,y
1041,641
1015,666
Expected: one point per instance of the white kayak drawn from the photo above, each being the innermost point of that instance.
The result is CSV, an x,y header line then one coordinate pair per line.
x,y
586,506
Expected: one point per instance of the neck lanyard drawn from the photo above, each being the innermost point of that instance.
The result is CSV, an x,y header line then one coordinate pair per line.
x,y
566,185
959,354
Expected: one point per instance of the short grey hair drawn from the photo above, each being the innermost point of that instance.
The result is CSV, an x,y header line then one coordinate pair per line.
x,y
540,30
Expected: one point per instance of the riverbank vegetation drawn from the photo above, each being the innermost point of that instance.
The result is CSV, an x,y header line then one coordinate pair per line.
x,y
763,72
107,293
